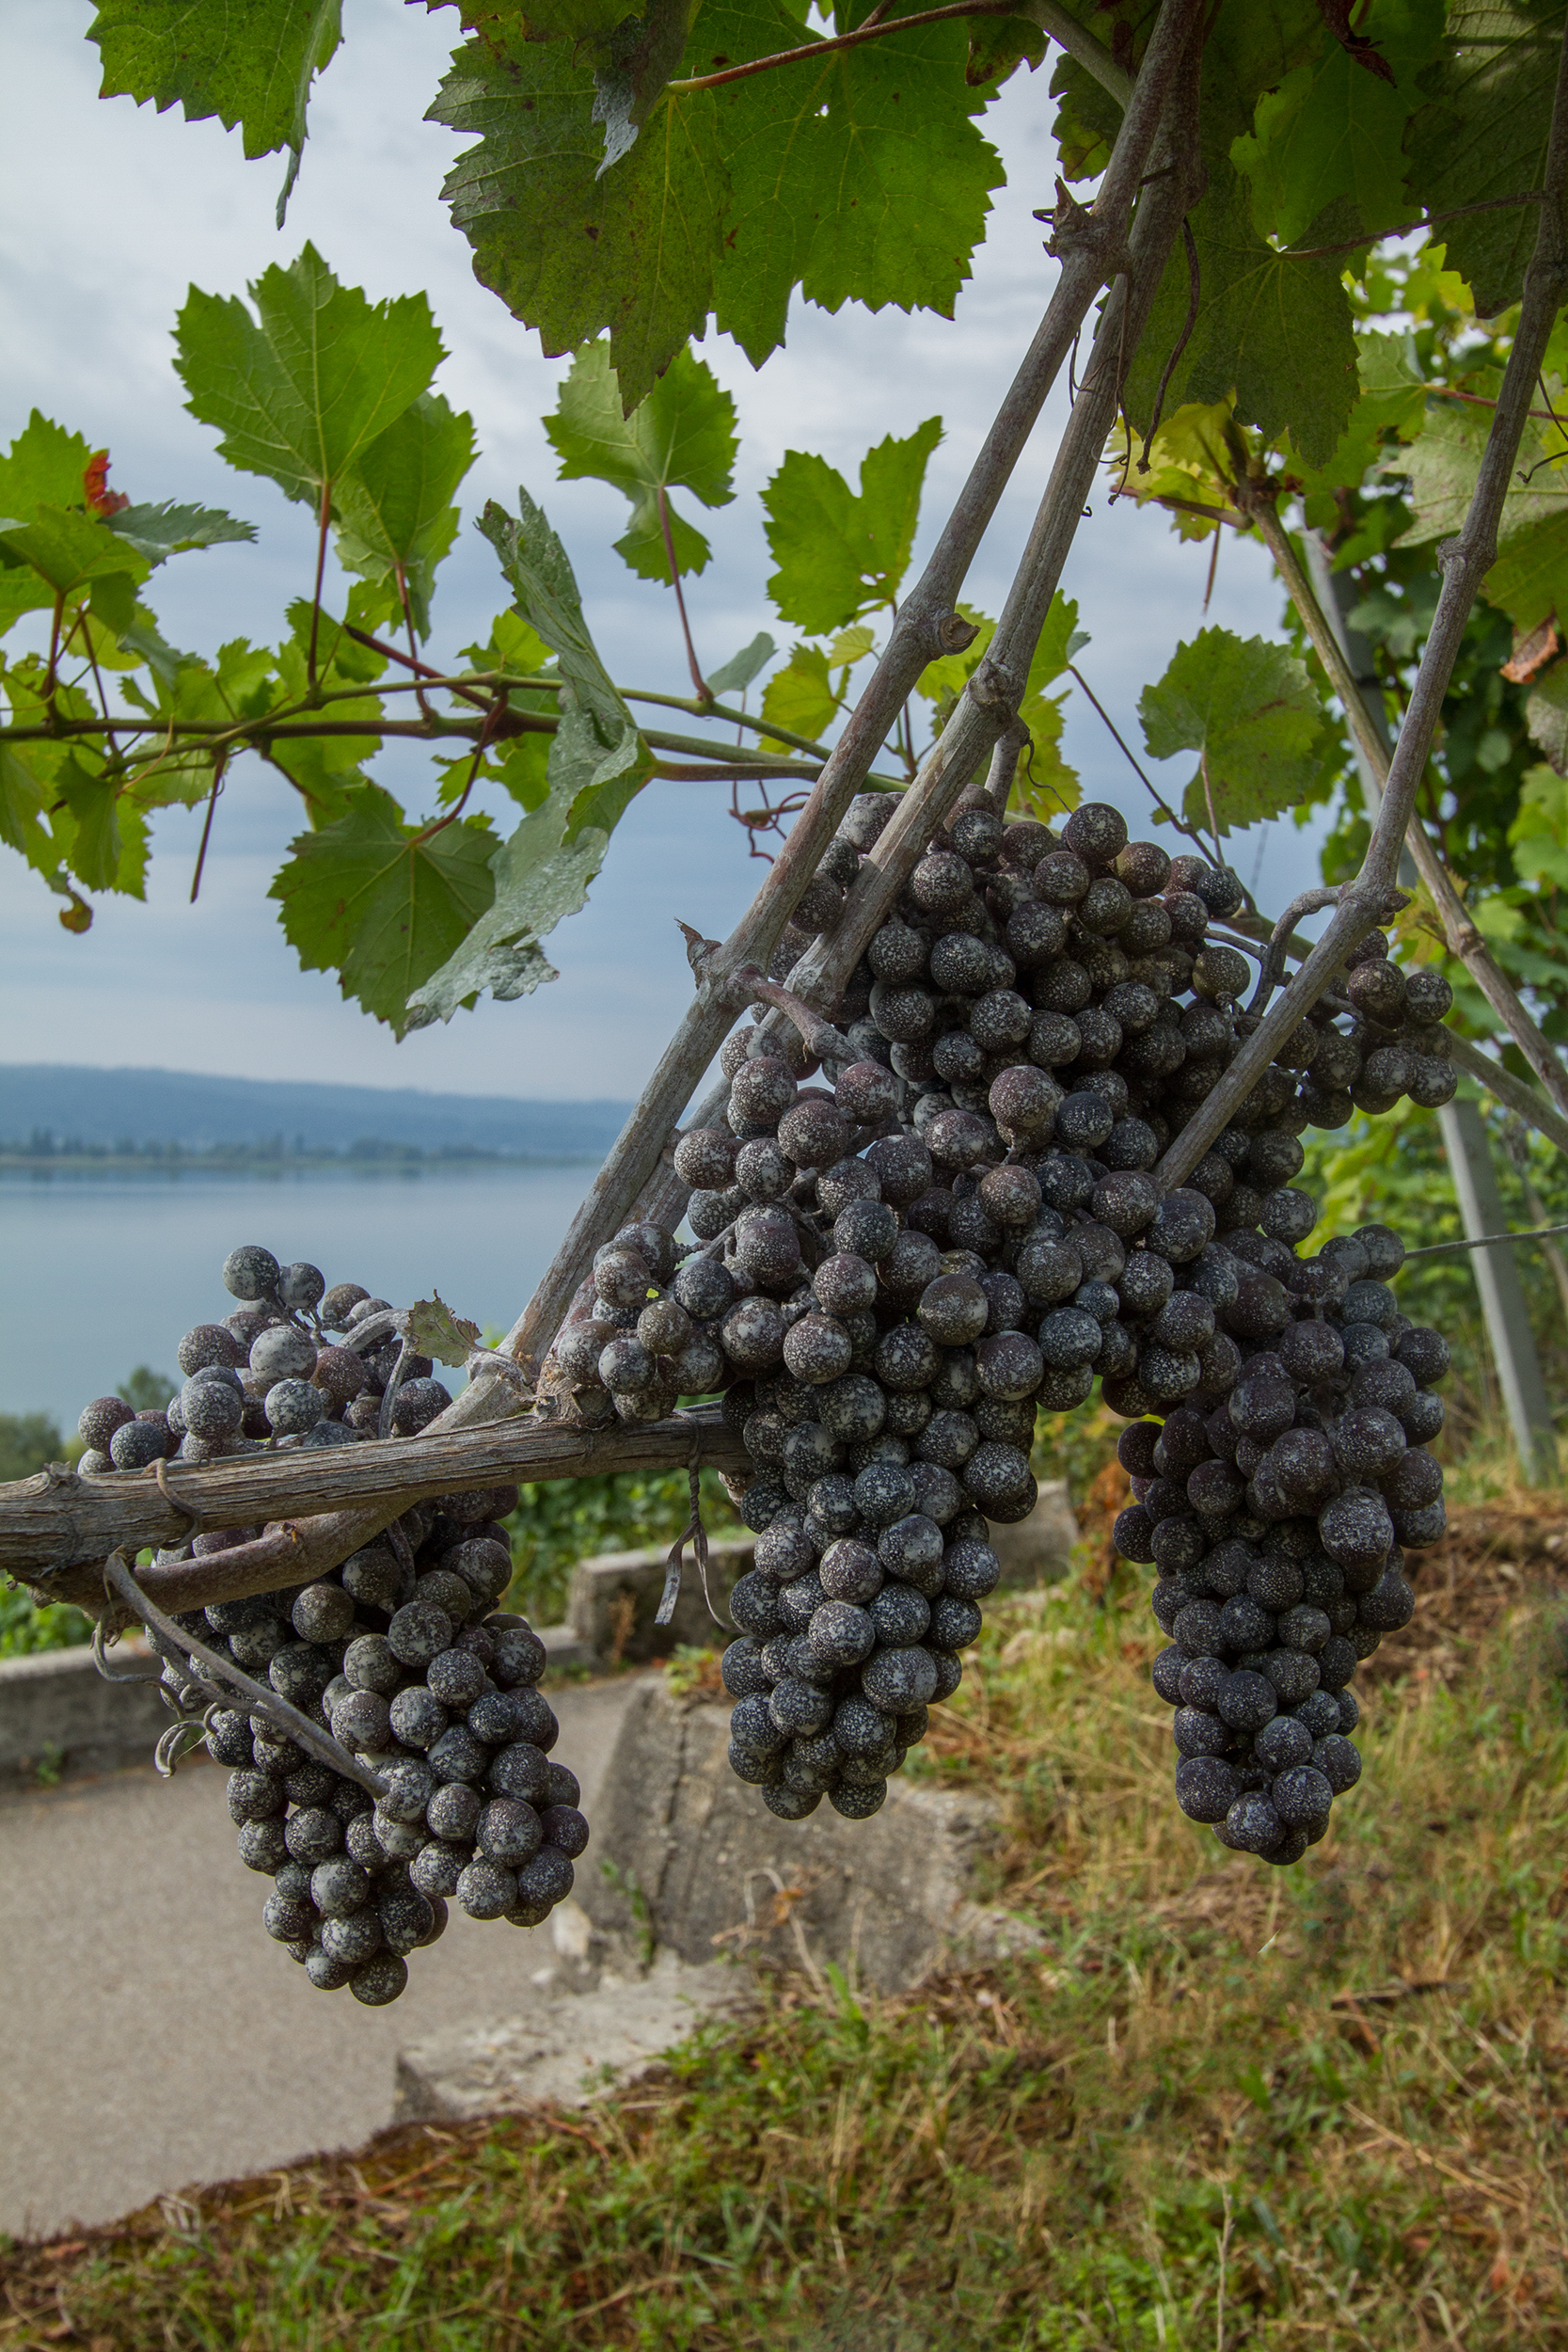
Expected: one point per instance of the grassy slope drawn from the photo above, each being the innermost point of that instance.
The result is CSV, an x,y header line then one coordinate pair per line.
x,y
1333,2097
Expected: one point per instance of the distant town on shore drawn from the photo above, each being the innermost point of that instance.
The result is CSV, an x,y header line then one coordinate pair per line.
x,y
63,1115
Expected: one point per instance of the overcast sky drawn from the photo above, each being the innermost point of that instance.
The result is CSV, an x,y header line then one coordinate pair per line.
x,y
95,259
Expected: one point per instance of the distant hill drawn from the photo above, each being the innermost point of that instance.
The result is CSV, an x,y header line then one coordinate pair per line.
x,y
102,1109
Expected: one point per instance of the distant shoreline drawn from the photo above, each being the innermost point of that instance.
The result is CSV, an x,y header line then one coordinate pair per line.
x,y
395,1160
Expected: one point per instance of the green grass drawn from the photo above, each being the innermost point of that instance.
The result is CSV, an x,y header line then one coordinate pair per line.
x,y
1217,2106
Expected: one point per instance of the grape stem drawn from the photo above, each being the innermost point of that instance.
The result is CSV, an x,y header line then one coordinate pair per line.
x,y
223,1677
1309,902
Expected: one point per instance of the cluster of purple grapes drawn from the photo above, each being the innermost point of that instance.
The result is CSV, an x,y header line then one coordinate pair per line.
x,y
1278,1521
895,1270
400,1654
268,1374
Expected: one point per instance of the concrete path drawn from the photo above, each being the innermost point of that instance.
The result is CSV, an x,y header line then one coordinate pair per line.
x,y
154,2036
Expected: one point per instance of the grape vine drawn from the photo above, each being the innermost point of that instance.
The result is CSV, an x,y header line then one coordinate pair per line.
x,y
1058,1134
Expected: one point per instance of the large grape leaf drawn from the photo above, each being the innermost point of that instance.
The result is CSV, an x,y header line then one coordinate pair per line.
x,y
572,250
1334,129
544,872
838,554
300,391
250,65
1483,134
1273,331
395,515
369,899
859,176
1249,709
682,437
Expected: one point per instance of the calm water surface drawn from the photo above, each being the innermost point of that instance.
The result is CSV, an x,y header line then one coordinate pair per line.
x,y
100,1270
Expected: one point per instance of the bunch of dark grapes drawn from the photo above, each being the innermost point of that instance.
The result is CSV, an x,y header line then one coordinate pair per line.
x,y
1278,1521
272,1373
899,1267
400,1654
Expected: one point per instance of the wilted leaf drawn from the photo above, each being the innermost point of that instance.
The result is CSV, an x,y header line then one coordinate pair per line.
x,y
432,1329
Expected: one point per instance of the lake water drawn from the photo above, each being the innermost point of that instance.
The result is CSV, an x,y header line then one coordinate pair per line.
x,y
101,1270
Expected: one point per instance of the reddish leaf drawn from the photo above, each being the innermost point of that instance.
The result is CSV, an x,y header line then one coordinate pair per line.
x,y
1357,46
95,485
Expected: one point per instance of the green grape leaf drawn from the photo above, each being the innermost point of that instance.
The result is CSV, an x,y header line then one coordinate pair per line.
x,y
432,1329
886,128
21,590
1248,707
801,695
253,69
382,903
395,515
515,648
1539,833
998,45
839,555
582,23
572,250
942,681
851,645
1530,578
718,204
69,548
1273,331
1332,129
538,566
1483,134
23,798
1547,715
544,872
682,437
160,532
1044,784
301,389
43,467
1392,385
1443,466
102,836
638,59
741,668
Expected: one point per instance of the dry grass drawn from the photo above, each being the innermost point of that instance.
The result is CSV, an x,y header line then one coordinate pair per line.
x,y
1218,2107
